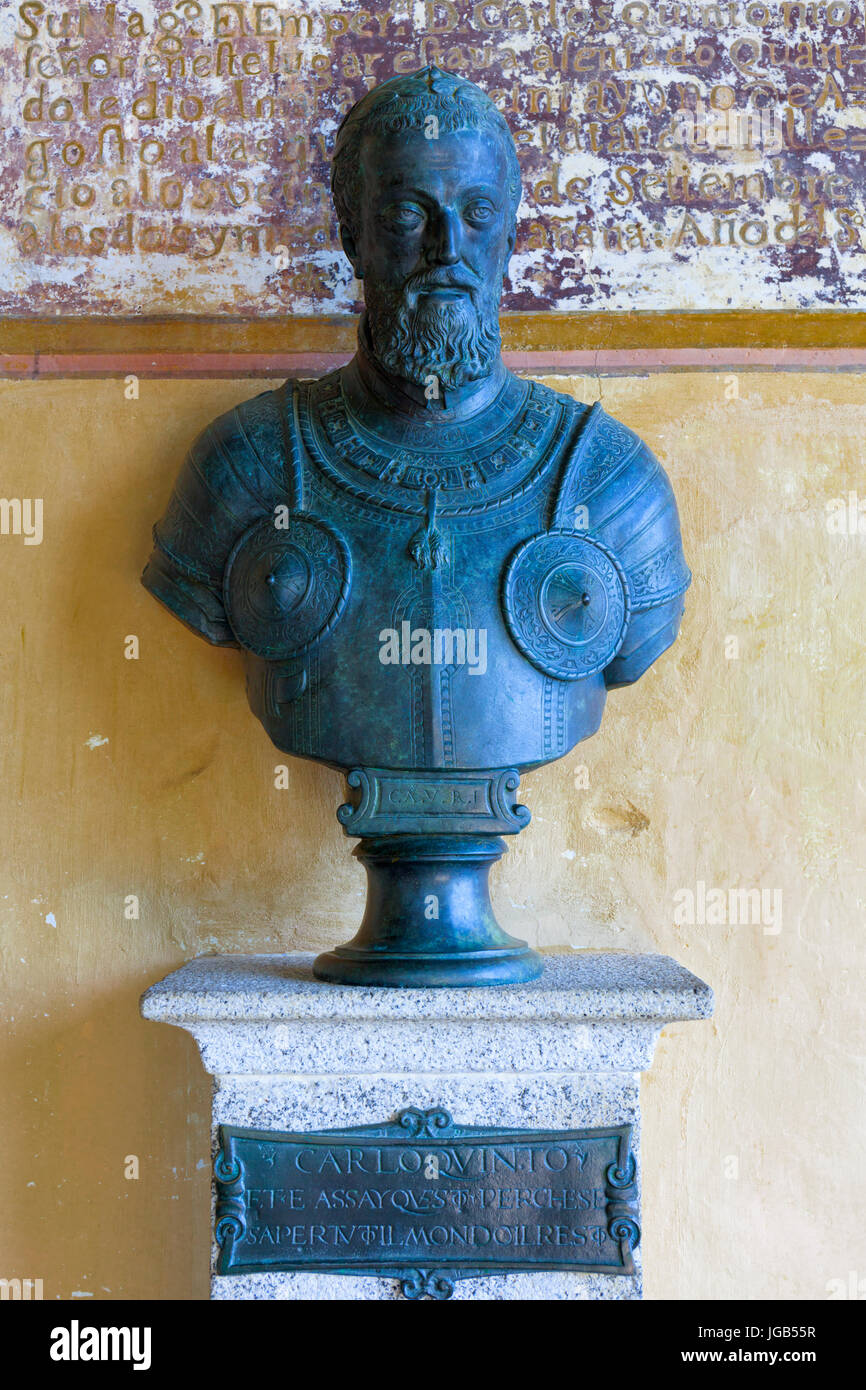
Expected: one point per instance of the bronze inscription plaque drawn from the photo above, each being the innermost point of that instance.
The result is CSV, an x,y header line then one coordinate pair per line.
x,y
426,1201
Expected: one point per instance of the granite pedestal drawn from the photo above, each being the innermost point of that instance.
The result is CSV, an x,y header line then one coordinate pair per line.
x,y
561,1052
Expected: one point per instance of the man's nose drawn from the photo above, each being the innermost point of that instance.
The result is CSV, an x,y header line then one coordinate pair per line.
x,y
445,248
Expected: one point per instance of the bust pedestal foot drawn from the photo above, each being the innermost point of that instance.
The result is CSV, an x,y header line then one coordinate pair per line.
x,y
429,920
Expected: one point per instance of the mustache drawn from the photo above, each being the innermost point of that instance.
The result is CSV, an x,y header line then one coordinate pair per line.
x,y
442,278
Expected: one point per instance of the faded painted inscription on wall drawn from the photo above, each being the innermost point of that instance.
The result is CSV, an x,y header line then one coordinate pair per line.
x,y
173,157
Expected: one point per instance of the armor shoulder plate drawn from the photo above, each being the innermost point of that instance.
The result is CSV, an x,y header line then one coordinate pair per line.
x,y
237,471
613,488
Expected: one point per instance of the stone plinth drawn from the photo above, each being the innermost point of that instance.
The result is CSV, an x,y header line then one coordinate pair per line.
x,y
561,1052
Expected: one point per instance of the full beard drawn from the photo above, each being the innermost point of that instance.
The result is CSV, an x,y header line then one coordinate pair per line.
x,y
415,338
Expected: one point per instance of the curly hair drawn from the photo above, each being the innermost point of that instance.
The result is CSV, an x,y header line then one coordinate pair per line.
x,y
405,103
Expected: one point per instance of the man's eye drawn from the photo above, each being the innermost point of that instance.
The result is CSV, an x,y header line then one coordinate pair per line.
x,y
479,212
405,217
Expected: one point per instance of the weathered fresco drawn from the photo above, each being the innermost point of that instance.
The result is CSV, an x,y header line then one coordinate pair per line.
x,y
173,158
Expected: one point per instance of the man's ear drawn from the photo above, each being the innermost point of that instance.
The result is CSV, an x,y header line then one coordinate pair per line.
x,y
509,250
349,245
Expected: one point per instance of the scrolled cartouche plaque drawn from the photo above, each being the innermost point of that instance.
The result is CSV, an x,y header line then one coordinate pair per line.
x,y
426,1201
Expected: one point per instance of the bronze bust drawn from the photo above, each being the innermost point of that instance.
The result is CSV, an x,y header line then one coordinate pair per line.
x,y
435,569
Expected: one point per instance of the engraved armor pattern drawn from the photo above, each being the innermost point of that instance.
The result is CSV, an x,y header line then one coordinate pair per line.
x,y
453,539
285,588
567,605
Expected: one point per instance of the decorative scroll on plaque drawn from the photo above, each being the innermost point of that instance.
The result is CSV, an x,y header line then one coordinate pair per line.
x,y
426,1201
173,156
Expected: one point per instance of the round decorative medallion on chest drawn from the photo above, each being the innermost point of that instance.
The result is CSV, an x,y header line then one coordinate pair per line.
x,y
285,587
566,603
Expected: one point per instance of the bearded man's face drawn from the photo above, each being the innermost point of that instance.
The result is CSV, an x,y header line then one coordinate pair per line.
x,y
435,239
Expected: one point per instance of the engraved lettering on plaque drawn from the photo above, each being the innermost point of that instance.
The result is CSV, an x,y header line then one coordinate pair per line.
x,y
426,1201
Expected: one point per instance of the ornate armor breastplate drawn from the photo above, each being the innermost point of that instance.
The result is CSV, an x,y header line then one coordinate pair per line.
x,y
455,597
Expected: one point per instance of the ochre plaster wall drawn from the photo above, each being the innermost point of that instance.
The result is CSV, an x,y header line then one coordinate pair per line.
x,y
150,777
